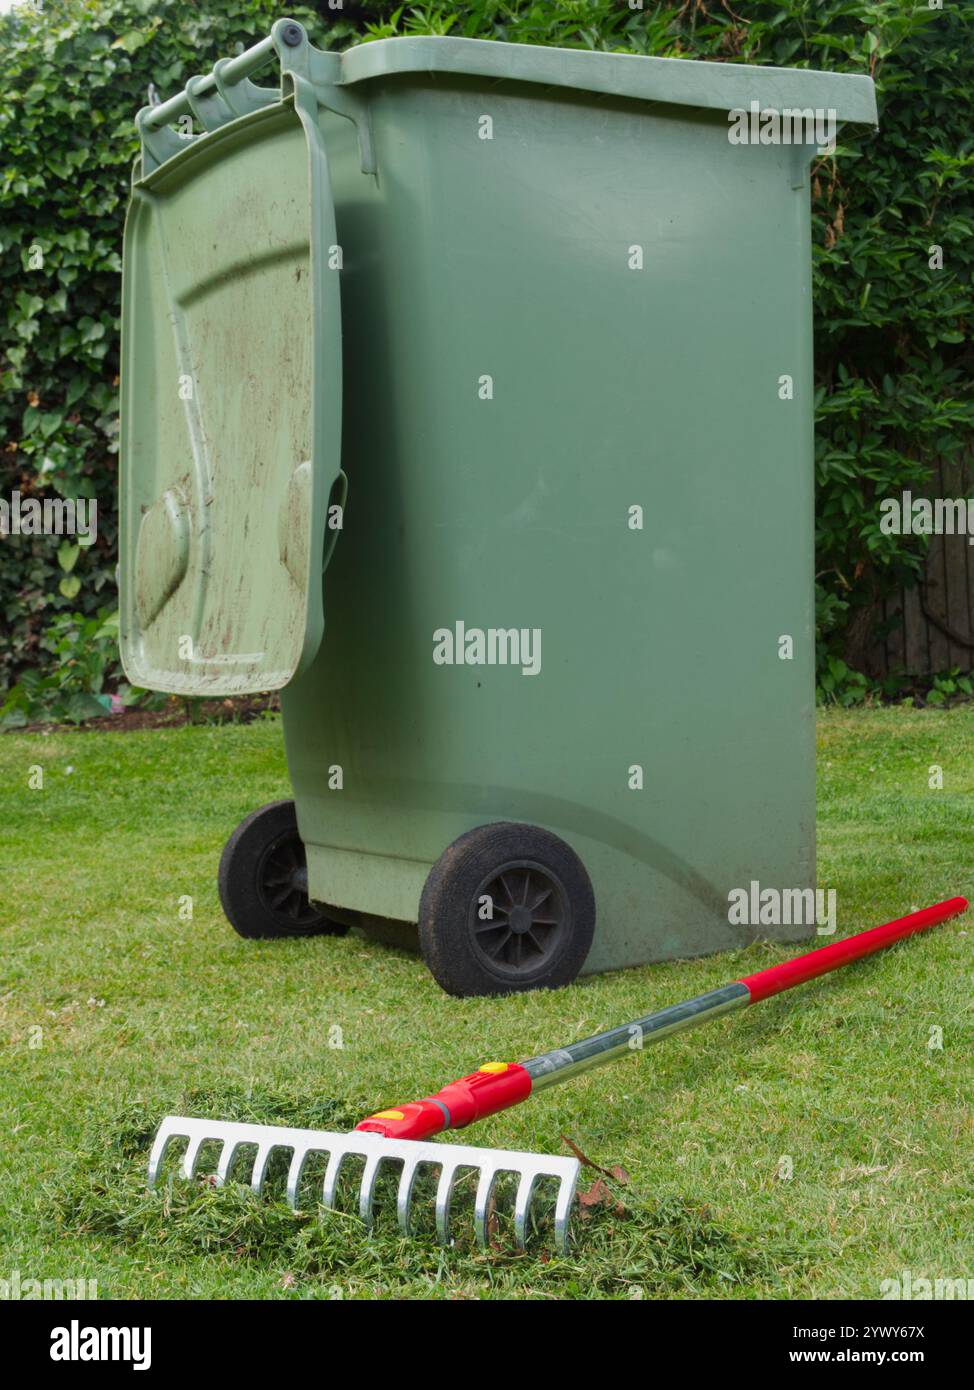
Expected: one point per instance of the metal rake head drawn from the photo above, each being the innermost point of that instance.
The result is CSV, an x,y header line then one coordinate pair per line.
x,y
376,1150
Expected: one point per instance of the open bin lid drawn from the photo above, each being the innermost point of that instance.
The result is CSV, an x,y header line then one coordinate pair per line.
x,y
231,402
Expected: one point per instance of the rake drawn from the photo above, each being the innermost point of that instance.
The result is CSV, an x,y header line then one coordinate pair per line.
x,y
396,1136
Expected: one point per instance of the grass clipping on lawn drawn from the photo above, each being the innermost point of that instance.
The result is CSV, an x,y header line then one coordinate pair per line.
x,y
622,1243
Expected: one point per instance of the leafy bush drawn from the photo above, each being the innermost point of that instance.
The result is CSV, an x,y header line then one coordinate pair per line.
x,y
70,687
894,361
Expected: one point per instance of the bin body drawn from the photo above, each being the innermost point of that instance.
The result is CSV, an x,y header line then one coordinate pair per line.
x,y
612,388
576,345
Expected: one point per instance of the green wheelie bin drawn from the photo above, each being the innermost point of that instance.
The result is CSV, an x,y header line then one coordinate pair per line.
x,y
467,401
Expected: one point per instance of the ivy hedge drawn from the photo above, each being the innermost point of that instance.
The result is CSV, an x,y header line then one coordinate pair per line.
x,y
893,353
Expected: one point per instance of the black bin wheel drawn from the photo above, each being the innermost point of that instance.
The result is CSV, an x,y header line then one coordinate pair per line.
x,y
263,878
506,908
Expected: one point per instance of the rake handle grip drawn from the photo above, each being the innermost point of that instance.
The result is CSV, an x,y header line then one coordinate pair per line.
x,y
496,1086
795,972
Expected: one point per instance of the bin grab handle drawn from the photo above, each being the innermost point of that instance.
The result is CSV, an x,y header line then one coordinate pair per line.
x,y
226,93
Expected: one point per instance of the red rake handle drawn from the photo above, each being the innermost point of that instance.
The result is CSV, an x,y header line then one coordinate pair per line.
x,y
795,972
498,1085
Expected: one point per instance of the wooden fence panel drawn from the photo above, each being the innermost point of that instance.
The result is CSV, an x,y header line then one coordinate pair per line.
x,y
931,626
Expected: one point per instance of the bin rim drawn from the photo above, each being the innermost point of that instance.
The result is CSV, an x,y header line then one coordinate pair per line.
x,y
670,81
226,94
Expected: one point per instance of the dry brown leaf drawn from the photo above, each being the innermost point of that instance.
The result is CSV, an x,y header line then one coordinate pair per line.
x,y
616,1172
598,1195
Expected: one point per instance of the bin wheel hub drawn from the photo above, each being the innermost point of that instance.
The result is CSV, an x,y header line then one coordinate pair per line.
x,y
528,918
282,881
520,920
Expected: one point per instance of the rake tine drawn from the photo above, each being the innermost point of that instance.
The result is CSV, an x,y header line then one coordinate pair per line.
x,y
330,1185
404,1197
298,1160
260,1165
229,1152
444,1191
563,1209
191,1155
522,1203
485,1186
159,1147
367,1190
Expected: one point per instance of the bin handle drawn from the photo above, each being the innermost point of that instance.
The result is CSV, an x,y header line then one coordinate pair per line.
x,y
225,93
331,539
152,118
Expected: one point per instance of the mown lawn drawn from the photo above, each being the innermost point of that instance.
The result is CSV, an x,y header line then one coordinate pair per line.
x,y
114,1009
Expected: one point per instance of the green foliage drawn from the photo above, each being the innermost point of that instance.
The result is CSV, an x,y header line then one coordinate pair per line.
x,y
894,361
838,684
950,688
69,686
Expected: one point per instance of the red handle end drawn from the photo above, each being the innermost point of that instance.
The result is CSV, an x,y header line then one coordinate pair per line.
x,y
802,968
496,1086
416,1120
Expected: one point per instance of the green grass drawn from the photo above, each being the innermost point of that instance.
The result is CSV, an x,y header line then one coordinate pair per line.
x,y
142,1012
